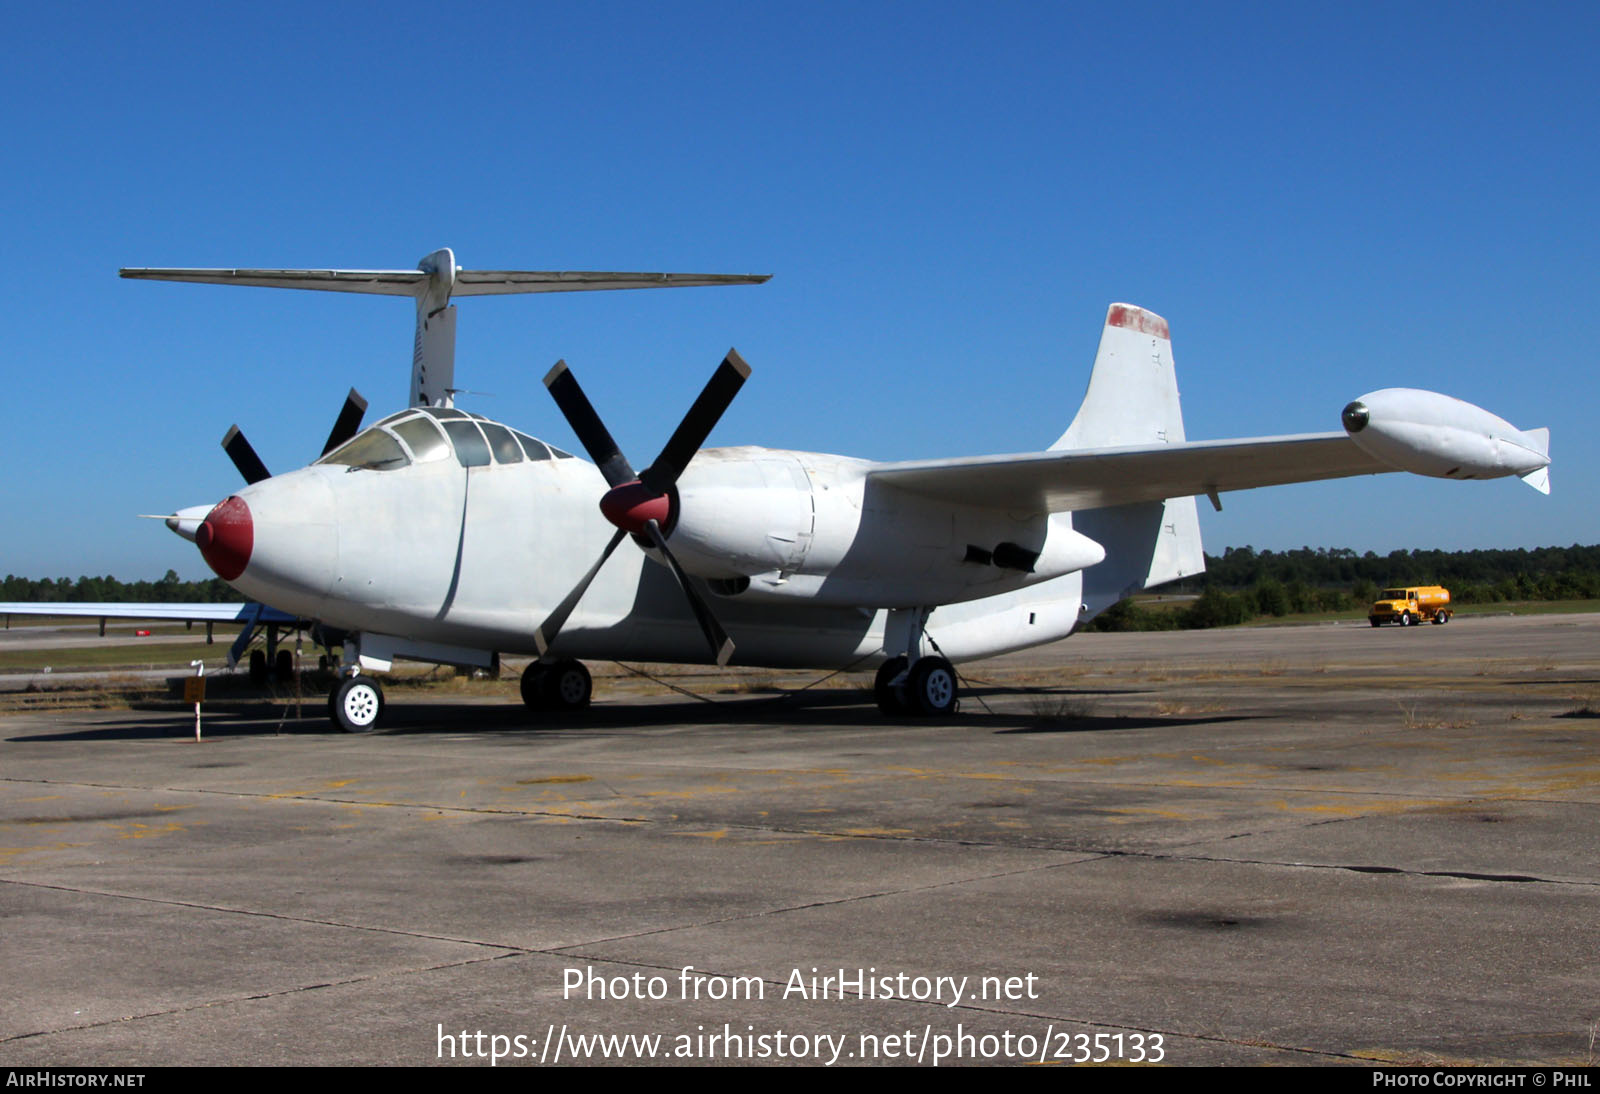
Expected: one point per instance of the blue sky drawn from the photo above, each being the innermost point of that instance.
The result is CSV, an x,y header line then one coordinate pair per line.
x,y
1322,200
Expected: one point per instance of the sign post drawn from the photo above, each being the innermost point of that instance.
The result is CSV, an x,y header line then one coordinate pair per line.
x,y
194,691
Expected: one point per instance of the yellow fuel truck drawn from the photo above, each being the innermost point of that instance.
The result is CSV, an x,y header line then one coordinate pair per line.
x,y
1411,605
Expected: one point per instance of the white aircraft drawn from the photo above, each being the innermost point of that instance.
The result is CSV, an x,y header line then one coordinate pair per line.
x,y
439,535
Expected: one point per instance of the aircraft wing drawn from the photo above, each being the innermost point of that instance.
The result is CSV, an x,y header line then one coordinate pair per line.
x,y
1097,478
238,612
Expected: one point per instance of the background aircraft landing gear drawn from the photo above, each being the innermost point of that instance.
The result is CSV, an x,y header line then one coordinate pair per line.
x,y
356,704
561,685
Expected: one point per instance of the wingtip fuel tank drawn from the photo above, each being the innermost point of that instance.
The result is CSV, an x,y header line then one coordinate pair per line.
x,y
1432,434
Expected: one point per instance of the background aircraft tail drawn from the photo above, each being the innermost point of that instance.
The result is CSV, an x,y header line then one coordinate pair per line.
x,y
435,280
1133,400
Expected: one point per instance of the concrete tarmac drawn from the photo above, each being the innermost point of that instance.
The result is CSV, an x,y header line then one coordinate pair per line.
x,y
1288,845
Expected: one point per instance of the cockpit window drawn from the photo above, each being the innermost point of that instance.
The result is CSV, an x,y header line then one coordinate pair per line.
x,y
371,450
471,449
535,449
426,442
502,443
443,412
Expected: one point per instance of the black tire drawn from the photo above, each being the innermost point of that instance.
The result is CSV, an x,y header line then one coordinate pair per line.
x,y
258,668
891,700
567,686
1441,617
1375,622
533,684
356,704
932,686
283,667
1405,619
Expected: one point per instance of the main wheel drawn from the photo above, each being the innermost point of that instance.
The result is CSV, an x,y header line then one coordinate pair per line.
x,y
1440,618
356,704
283,667
533,684
567,686
258,668
891,700
931,687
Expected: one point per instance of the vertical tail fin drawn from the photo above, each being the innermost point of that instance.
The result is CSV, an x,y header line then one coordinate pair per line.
x,y
1133,400
1133,393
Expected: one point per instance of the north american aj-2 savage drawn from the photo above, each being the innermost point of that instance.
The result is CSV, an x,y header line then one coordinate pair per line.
x,y
439,535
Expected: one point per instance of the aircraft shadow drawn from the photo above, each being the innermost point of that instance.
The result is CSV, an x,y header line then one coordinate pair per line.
x,y
1054,710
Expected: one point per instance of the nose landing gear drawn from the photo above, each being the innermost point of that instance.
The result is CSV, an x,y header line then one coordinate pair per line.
x,y
356,704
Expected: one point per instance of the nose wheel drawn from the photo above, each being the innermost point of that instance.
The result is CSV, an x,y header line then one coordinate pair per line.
x,y
356,704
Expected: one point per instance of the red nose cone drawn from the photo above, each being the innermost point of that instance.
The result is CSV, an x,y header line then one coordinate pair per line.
x,y
225,538
633,504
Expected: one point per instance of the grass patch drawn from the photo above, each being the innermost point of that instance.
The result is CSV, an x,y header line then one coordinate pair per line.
x,y
1058,708
136,653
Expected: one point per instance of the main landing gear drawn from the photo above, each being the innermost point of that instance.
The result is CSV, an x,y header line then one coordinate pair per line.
x,y
910,683
557,685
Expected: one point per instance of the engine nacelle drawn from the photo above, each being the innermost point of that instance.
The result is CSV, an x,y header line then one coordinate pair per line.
x,y
785,526
1432,434
741,514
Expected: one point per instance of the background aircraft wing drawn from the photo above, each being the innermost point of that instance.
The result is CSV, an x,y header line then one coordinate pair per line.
x,y
1096,478
237,612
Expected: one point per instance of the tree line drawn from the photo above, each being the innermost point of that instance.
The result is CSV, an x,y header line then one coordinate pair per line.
x,y
108,589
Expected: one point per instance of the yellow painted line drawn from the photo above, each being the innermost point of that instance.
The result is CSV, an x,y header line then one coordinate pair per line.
x,y
8,852
332,784
145,831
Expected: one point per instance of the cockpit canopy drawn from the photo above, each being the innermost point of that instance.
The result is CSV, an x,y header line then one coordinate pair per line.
x,y
427,433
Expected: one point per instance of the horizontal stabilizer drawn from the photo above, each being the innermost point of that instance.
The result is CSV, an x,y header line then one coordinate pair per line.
x,y
467,282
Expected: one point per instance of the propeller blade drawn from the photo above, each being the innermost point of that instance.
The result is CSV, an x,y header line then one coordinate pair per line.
x,y
697,425
592,433
546,634
348,422
721,644
243,456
